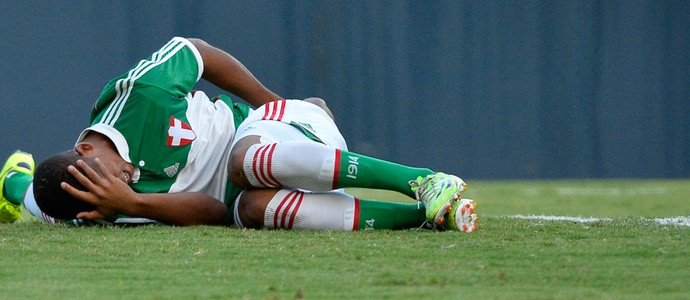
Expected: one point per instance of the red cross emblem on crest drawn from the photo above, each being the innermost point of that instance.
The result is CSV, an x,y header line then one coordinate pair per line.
x,y
179,133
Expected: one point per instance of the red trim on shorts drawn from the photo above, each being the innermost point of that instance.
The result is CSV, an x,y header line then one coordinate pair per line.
x,y
282,110
267,108
336,169
273,108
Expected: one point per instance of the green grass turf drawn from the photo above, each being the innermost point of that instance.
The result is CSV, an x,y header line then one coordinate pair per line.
x,y
628,257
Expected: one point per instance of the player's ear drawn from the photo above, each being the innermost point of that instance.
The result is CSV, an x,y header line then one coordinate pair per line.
x,y
84,148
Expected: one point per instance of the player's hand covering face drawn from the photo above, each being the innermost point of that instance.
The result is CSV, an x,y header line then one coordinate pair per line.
x,y
109,193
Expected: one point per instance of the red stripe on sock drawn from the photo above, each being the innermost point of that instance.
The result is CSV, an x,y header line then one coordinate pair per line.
x,y
255,166
269,163
275,213
278,209
287,210
355,226
266,166
293,214
336,169
262,165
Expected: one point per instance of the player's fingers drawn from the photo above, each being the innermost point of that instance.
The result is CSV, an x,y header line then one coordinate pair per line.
x,y
90,172
81,178
76,193
90,215
104,170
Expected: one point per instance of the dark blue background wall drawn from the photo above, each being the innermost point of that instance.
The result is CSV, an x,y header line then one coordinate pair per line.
x,y
484,89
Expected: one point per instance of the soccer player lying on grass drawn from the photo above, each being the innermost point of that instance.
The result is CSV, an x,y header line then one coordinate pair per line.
x,y
158,150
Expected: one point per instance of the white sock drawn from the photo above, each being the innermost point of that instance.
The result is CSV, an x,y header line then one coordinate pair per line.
x,y
294,209
297,164
236,212
32,207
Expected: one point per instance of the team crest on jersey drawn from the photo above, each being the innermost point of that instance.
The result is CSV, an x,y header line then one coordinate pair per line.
x,y
179,133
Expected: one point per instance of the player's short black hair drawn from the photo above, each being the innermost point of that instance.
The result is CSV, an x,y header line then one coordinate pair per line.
x,y
50,197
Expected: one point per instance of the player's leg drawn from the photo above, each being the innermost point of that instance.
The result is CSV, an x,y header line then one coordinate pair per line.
x,y
315,166
310,153
15,179
334,210
306,164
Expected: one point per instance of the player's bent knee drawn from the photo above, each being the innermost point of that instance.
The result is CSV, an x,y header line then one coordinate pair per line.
x,y
236,171
320,103
236,163
252,207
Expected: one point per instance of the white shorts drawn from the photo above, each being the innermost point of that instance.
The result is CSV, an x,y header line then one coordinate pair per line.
x,y
297,114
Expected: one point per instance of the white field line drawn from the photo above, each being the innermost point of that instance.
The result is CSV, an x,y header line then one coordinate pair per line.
x,y
611,192
561,218
676,221
597,191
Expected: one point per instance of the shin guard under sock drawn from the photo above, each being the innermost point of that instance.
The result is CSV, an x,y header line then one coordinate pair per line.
x,y
318,167
293,209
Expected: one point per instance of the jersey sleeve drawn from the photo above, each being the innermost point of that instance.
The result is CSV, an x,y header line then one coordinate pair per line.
x,y
175,68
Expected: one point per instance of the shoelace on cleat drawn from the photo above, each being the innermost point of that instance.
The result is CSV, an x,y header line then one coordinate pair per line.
x,y
424,188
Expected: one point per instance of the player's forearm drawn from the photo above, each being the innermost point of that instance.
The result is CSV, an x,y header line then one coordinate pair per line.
x,y
226,72
182,209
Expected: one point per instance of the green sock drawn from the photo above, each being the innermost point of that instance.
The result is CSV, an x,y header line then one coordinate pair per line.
x,y
375,214
361,171
15,187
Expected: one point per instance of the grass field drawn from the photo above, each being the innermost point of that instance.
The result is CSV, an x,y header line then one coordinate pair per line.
x,y
614,247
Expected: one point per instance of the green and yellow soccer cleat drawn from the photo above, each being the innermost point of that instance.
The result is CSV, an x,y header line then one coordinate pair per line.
x,y
437,191
462,216
17,162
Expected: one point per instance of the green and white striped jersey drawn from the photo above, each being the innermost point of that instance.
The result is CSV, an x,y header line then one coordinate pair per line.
x,y
177,138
